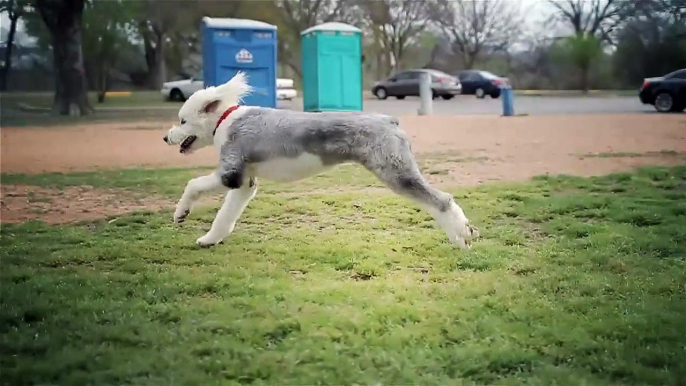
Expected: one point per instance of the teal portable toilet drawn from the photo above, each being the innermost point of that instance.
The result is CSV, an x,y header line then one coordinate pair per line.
x,y
332,67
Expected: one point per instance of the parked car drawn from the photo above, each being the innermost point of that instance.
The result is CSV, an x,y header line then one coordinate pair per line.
x,y
285,89
406,83
480,83
666,93
180,90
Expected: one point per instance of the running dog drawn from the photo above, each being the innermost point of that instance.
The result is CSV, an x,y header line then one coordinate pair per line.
x,y
286,146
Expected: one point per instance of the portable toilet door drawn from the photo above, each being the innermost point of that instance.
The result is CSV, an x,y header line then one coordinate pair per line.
x,y
232,45
332,67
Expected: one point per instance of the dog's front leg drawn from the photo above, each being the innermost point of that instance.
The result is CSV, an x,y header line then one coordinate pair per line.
x,y
194,189
234,204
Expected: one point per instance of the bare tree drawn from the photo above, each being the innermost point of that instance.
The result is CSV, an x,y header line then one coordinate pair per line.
x,y
15,9
395,25
156,19
599,18
298,15
184,41
477,26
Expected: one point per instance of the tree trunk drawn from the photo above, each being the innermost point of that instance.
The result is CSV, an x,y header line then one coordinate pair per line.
x,y
103,82
4,71
71,95
63,19
161,70
380,67
154,57
584,79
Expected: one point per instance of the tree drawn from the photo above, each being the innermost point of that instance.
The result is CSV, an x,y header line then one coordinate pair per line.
x,y
184,40
653,41
593,22
63,20
599,18
106,32
580,50
477,26
296,16
395,25
15,9
154,20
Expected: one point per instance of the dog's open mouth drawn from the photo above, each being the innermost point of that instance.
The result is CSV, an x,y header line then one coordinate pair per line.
x,y
186,144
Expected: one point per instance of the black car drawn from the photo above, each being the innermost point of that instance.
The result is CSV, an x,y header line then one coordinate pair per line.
x,y
480,83
667,93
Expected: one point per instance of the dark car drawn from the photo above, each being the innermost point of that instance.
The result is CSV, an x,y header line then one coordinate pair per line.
x,y
666,93
480,83
406,83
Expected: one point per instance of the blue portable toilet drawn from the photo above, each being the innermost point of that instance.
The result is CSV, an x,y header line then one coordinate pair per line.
x,y
232,45
332,67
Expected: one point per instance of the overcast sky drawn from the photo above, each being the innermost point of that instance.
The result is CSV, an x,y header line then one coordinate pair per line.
x,y
536,11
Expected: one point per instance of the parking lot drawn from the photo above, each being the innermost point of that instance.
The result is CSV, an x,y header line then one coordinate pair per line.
x,y
529,105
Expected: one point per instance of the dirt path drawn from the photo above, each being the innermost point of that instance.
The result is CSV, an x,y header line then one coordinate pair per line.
x,y
461,150
515,148
19,203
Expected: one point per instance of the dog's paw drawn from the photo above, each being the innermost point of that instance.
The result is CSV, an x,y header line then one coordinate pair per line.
x,y
208,241
465,236
180,215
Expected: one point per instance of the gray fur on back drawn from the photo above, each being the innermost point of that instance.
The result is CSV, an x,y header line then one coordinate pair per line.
x,y
372,140
262,134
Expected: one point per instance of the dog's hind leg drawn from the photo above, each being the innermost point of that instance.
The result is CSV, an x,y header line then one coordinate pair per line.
x,y
401,174
194,189
234,204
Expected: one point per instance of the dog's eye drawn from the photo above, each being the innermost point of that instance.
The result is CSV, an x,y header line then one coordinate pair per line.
x,y
183,121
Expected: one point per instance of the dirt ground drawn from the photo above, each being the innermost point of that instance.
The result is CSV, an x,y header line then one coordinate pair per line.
x,y
476,149
21,203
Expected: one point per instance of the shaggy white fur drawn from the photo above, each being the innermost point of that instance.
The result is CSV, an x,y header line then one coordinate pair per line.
x,y
254,142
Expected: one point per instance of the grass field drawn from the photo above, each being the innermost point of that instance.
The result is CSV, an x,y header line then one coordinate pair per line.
x,y
45,100
139,106
574,281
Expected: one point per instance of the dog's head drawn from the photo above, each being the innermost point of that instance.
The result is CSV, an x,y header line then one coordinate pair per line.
x,y
199,114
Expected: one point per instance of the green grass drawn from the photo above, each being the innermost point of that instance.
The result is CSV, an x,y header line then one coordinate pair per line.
x,y
663,153
140,106
575,281
170,182
137,99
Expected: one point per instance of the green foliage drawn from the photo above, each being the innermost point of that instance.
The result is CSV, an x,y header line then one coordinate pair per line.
x,y
575,281
35,27
106,31
107,28
14,7
651,47
580,50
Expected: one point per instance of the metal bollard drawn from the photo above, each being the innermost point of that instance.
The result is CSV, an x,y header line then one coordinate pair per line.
x,y
426,95
508,100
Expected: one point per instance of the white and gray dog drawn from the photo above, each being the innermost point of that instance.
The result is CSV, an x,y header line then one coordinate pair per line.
x,y
281,145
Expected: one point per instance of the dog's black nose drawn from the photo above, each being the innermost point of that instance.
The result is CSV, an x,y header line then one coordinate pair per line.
x,y
166,139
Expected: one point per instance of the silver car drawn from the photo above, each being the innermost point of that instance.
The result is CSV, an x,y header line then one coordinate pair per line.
x,y
406,83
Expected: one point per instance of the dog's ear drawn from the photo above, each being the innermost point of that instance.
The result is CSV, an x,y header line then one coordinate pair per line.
x,y
211,107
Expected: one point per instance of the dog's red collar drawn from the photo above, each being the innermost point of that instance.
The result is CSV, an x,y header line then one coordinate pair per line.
x,y
223,117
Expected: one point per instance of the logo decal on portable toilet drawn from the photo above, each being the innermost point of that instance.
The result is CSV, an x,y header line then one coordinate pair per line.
x,y
244,56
